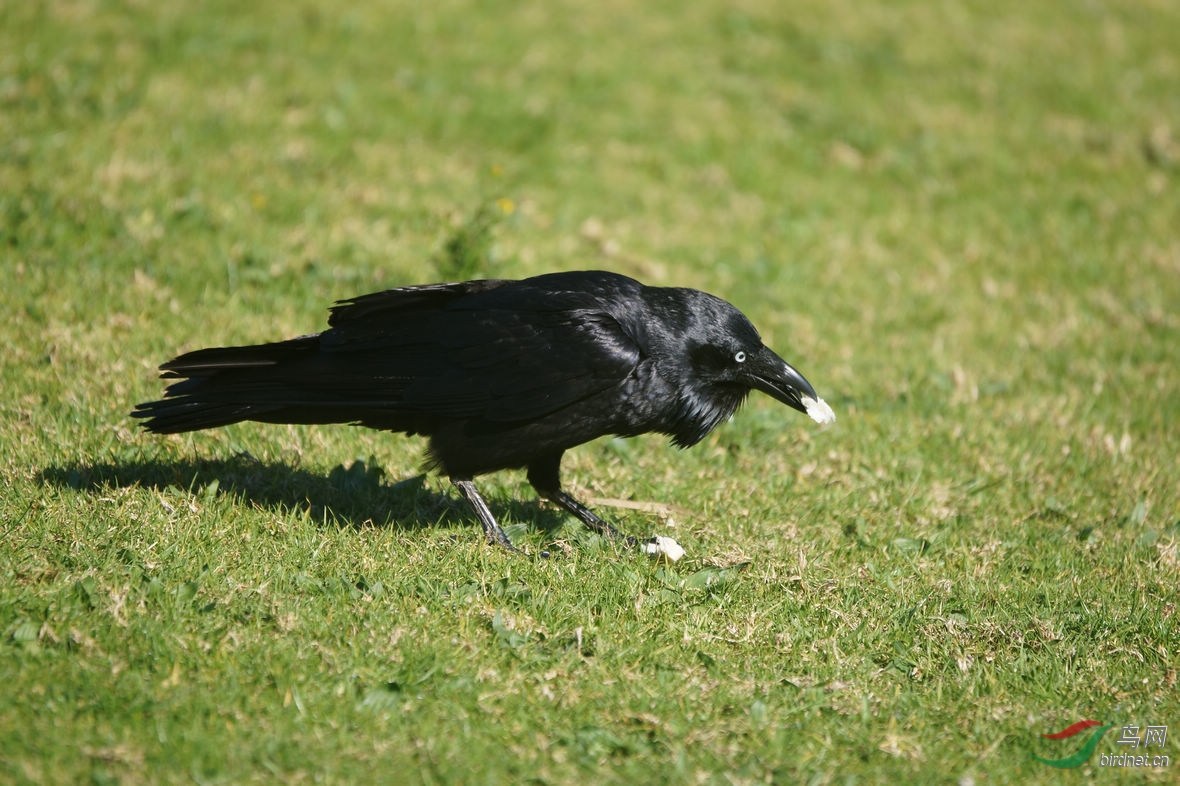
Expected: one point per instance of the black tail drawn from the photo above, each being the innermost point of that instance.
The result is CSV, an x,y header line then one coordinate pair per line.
x,y
227,385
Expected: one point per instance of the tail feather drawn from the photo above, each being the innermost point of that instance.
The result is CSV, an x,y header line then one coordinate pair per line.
x,y
225,385
174,416
217,360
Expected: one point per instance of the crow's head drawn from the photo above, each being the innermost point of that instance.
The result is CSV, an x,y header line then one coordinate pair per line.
x,y
721,358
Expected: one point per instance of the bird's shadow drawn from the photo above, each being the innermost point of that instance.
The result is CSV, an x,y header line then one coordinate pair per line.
x,y
356,495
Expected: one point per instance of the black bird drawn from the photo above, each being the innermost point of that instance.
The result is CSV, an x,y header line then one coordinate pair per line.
x,y
498,374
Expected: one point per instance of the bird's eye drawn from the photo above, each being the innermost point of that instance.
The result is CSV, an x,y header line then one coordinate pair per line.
x,y
740,357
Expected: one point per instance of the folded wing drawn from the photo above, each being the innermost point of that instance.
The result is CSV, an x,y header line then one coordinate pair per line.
x,y
491,350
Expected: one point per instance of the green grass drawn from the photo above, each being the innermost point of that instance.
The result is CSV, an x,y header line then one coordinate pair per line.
x,y
958,219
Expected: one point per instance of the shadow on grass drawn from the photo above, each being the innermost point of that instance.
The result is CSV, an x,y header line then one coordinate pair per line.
x,y
353,496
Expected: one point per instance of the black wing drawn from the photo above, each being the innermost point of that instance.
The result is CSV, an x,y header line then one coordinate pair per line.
x,y
495,350
405,358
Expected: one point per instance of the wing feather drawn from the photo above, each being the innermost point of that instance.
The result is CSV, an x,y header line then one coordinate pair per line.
x,y
496,350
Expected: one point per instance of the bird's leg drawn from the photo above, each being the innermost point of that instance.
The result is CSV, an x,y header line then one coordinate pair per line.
x,y
545,477
496,536
588,517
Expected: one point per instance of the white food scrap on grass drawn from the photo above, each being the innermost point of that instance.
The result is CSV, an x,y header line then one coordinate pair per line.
x,y
819,410
660,546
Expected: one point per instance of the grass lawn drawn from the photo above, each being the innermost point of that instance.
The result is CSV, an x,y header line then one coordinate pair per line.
x,y
958,219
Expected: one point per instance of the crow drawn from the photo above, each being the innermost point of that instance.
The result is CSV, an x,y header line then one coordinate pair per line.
x,y
498,374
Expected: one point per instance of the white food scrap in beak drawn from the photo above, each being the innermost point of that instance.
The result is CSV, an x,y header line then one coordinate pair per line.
x,y
819,410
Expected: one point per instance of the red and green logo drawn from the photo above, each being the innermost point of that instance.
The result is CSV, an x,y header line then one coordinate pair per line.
x,y
1084,752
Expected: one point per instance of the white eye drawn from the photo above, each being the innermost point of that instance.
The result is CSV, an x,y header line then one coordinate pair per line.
x,y
740,357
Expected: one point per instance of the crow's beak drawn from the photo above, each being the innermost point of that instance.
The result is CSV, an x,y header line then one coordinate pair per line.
x,y
775,377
